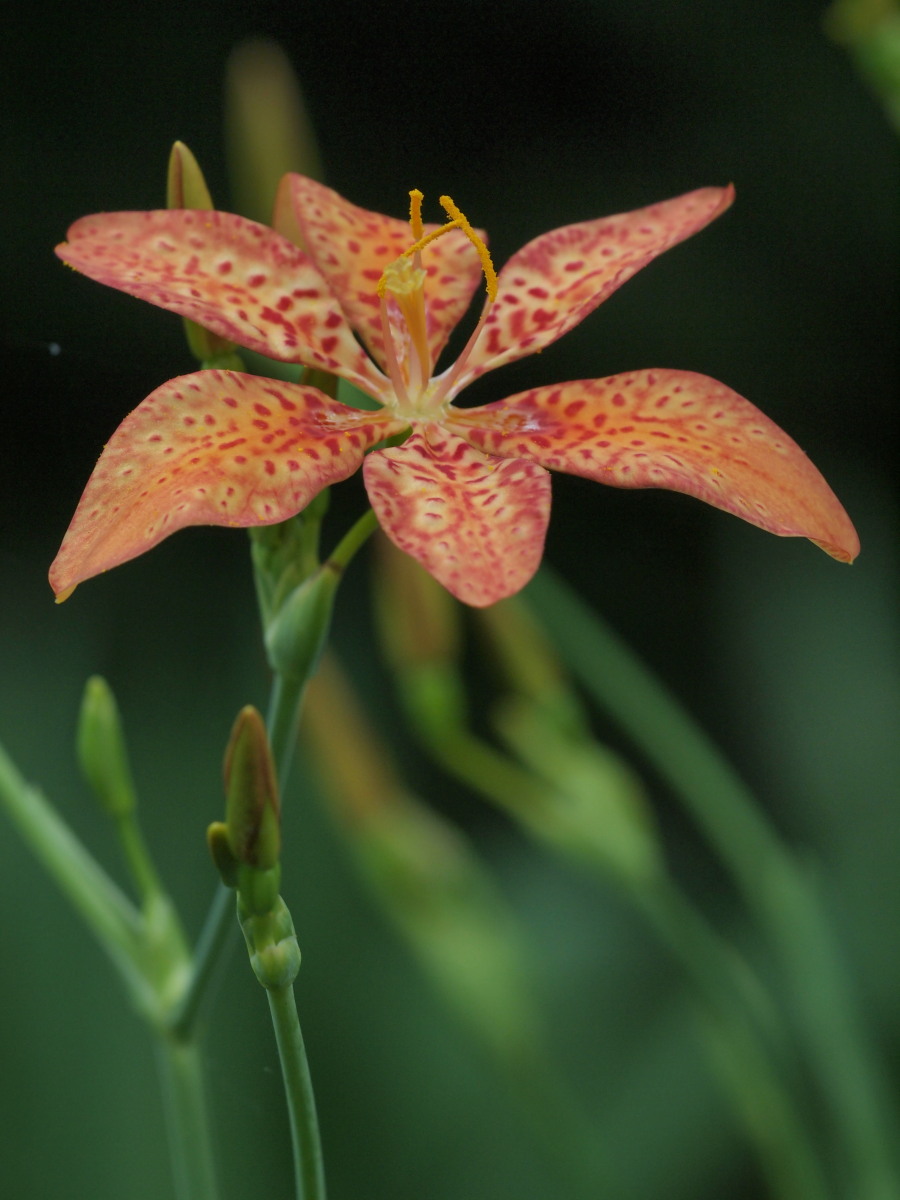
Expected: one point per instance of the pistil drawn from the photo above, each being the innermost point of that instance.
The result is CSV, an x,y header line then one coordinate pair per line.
x,y
407,352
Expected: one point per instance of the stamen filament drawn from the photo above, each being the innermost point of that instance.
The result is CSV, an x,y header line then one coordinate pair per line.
x,y
397,381
444,383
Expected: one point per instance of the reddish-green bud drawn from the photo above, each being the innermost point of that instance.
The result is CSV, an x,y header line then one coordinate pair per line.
x,y
186,188
253,812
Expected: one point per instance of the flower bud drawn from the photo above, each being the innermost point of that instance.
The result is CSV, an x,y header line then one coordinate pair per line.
x,y
220,852
101,749
296,635
253,811
186,188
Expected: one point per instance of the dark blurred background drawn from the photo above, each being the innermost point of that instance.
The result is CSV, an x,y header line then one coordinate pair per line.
x,y
532,116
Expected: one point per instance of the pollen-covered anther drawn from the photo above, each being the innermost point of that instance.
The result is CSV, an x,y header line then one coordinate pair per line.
x,y
402,278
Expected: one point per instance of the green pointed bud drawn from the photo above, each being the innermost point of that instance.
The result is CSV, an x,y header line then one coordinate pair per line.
x,y
101,749
253,811
185,185
220,852
186,188
296,635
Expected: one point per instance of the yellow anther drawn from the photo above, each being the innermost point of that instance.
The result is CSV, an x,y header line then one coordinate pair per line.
x,y
459,219
401,278
415,213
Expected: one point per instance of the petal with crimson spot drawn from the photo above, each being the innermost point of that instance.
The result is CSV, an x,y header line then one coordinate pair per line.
x,y
475,522
241,280
669,429
212,448
556,280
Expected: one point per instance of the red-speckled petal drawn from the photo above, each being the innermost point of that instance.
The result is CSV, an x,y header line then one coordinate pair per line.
x,y
212,448
233,276
477,523
352,247
669,429
555,281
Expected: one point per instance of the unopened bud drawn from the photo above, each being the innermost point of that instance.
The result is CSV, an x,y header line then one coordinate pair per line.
x,y
220,852
253,812
296,635
101,749
186,188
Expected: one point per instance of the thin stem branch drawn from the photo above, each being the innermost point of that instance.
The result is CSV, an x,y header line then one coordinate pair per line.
x,y
193,1163
215,939
105,909
309,1172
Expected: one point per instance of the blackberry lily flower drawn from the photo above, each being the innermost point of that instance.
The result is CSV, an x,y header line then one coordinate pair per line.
x,y
373,300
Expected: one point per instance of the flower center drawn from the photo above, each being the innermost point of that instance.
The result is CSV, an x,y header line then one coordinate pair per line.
x,y
404,314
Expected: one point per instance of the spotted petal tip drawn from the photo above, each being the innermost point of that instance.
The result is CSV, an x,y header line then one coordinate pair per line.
x,y
244,282
212,448
669,429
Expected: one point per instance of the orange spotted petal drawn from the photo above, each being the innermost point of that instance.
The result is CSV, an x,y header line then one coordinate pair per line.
x,y
669,429
475,522
212,448
352,247
241,280
555,281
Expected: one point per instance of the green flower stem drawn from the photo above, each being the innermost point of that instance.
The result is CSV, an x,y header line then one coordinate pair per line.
x,y
352,540
123,933
309,1170
782,896
181,1076
216,938
288,689
285,703
106,910
137,857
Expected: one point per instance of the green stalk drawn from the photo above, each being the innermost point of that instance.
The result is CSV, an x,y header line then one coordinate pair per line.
x,y
309,1173
214,941
782,896
184,1102
105,909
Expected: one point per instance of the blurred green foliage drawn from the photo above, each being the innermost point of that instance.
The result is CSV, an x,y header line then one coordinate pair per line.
x,y
531,115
